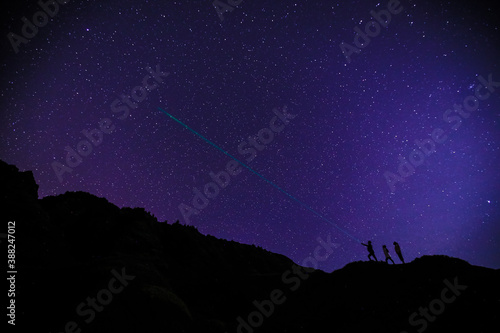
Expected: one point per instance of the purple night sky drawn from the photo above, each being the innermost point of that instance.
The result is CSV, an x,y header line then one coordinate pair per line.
x,y
320,129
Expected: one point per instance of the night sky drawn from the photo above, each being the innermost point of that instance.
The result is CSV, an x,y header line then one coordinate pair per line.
x,y
291,118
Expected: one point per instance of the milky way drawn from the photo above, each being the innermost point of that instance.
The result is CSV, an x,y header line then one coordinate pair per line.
x,y
303,128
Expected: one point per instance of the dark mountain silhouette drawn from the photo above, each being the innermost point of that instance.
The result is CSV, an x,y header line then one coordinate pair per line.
x,y
158,277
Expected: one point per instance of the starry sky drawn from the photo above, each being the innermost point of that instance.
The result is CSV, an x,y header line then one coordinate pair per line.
x,y
280,121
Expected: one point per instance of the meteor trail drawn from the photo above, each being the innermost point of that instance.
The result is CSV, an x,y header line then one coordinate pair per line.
x,y
262,177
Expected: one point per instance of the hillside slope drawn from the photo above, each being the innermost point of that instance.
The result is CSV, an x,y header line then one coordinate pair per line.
x,y
85,264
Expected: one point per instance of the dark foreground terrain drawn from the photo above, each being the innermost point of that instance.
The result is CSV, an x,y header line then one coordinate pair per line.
x,y
85,265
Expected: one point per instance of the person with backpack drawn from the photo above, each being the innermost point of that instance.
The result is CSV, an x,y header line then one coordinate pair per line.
x,y
387,255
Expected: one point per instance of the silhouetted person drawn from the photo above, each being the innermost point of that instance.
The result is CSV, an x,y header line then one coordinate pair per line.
x,y
387,255
370,250
398,252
